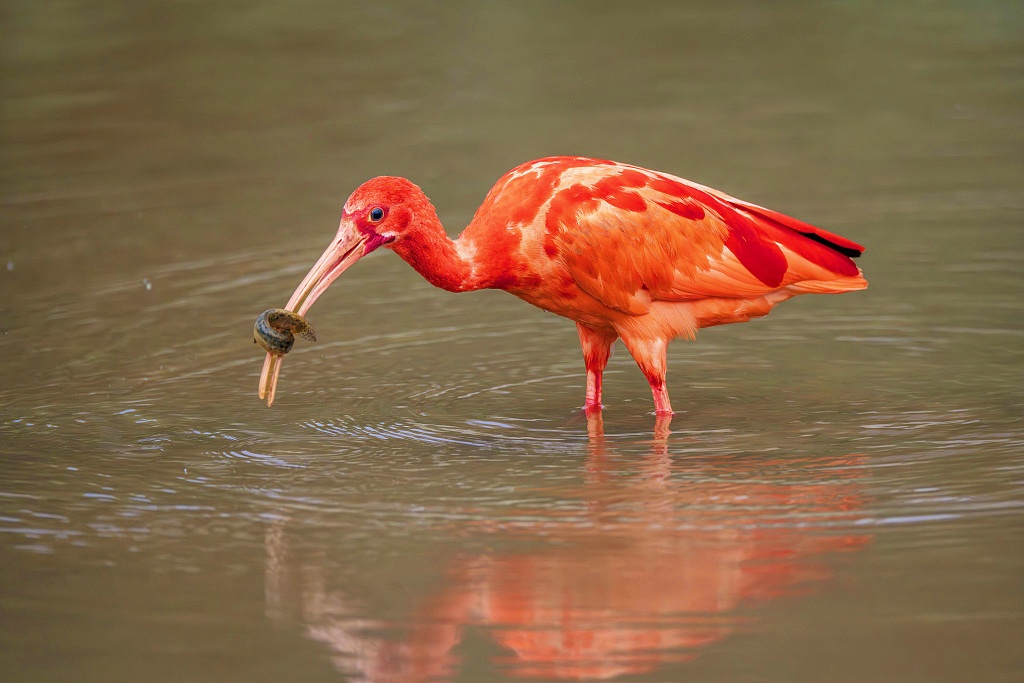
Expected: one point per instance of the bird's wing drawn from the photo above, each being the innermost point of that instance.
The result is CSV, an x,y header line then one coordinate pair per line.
x,y
637,236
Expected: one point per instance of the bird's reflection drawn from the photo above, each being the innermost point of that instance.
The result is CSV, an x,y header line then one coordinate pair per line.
x,y
667,559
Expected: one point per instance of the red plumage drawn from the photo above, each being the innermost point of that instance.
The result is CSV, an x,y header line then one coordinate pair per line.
x,y
623,251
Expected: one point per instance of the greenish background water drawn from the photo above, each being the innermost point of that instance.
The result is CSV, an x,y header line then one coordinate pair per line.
x,y
840,496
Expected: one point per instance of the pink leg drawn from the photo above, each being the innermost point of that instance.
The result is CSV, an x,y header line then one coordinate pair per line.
x,y
650,354
597,349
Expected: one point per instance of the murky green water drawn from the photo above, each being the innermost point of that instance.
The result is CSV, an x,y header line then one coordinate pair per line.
x,y
840,497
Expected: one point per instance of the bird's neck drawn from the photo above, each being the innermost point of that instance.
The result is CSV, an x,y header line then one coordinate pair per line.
x,y
428,249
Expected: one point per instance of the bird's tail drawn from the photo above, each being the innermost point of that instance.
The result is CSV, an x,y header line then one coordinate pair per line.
x,y
837,286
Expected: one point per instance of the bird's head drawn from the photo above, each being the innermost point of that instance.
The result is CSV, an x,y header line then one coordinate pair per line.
x,y
379,213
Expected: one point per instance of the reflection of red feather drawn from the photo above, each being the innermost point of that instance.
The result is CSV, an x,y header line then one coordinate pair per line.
x,y
651,566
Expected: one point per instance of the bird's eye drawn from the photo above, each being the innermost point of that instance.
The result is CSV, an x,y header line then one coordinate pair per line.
x,y
376,214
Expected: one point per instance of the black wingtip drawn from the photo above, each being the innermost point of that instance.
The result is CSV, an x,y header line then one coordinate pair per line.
x,y
845,251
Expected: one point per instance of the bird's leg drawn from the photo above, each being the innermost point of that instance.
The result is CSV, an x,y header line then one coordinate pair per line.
x,y
662,406
650,355
597,349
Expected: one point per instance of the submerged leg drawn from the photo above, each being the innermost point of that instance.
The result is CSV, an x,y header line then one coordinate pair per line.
x,y
650,354
597,349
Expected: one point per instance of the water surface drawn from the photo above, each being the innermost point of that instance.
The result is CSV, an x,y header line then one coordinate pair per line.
x,y
839,498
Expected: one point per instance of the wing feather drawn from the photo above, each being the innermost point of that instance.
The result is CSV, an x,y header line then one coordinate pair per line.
x,y
637,236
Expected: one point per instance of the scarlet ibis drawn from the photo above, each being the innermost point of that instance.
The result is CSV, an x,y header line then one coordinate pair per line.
x,y
624,252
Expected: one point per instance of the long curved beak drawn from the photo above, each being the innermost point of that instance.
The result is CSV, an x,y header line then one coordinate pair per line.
x,y
346,248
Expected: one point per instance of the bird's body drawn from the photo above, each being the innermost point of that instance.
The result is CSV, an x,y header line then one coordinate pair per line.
x,y
625,252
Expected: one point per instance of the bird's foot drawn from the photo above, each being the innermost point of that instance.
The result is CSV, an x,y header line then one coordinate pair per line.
x,y
662,426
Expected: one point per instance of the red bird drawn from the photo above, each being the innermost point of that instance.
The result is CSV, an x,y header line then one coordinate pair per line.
x,y
625,252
